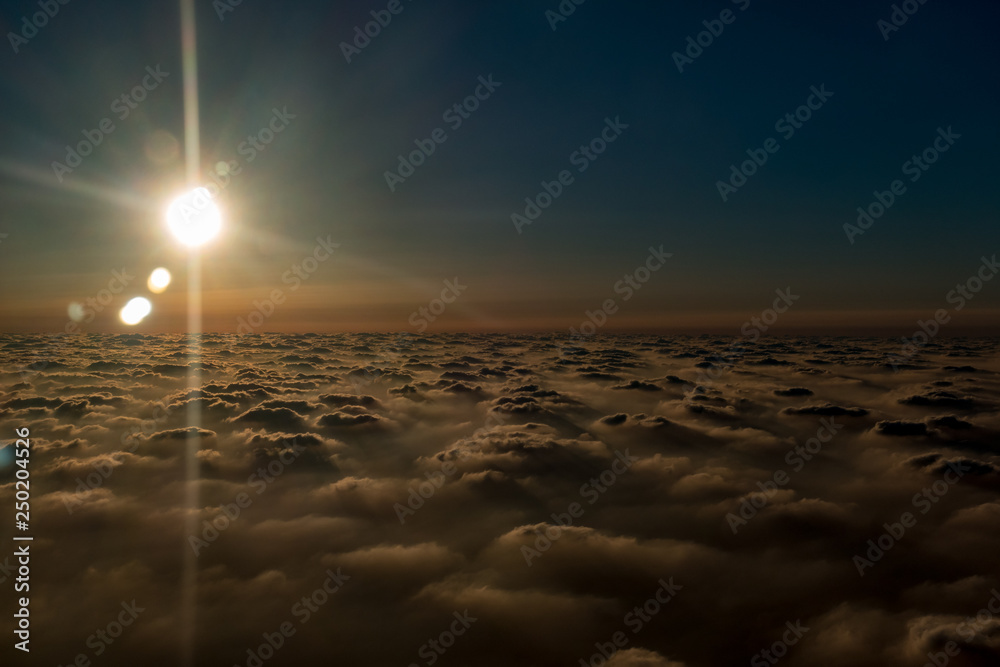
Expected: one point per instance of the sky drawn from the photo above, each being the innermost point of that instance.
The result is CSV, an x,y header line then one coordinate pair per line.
x,y
346,112
518,178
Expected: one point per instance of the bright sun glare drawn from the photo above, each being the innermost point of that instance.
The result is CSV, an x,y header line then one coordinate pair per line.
x,y
194,218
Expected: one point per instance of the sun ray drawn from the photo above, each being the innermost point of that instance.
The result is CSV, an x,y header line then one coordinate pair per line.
x,y
192,151
78,185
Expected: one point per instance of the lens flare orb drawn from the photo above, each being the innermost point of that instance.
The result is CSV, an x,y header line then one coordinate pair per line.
x,y
135,311
159,280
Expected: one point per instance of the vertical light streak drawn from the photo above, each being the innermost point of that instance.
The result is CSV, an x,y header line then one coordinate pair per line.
x,y
192,151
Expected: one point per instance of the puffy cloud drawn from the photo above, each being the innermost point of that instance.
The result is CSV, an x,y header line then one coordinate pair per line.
x,y
281,418
543,489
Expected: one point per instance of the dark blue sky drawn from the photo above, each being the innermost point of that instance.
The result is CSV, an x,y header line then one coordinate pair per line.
x,y
657,184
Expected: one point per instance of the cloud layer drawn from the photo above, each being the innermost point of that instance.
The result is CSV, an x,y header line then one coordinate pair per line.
x,y
376,494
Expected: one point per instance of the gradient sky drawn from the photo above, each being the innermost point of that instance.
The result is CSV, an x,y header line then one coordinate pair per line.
x,y
323,176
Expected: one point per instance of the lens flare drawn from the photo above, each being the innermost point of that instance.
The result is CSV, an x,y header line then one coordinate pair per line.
x,y
76,311
159,280
194,218
136,310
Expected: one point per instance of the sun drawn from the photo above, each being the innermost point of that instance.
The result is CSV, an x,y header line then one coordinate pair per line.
x,y
194,218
